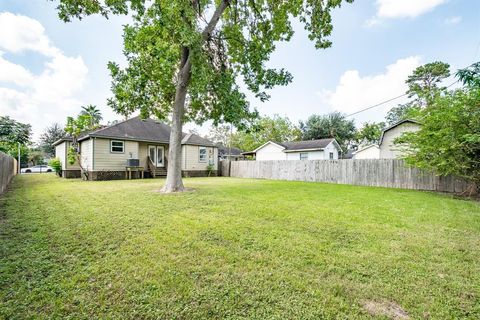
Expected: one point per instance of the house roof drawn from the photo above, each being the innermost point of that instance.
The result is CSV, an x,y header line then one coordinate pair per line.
x,y
147,130
396,125
296,146
306,145
222,150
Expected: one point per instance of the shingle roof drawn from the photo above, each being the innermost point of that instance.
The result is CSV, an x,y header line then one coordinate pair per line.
x,y
149,130
307,144
226,150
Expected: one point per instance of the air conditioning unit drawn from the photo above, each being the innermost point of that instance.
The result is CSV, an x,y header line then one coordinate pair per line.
x,y
133,162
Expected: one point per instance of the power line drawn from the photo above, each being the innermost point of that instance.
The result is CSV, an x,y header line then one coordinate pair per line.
x,y
386,101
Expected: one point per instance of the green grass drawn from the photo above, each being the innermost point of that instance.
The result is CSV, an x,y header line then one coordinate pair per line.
x,y
233,249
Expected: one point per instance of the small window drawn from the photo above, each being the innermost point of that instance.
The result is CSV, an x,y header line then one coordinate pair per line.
x,y
331,155
116,146
303,156
202,154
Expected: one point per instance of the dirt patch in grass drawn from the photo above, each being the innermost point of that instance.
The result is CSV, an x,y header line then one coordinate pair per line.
x,y
385,308
186,190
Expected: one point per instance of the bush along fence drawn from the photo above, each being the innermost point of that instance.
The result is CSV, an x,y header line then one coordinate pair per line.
x,y
8,168
390,173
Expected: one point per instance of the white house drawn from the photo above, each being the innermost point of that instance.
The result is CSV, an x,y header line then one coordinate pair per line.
x,y
386,149
323,149
368,152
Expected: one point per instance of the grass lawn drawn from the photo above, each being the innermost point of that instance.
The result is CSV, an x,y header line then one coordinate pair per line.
x,y
233,249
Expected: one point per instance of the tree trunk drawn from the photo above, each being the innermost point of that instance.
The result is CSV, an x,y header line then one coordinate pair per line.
x,y
174,181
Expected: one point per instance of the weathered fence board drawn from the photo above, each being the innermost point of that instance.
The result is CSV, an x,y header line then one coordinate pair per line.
x,y
7,170
391,173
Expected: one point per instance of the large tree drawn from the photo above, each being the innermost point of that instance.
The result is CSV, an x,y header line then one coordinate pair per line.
x,y
448,142
186,56
264,129
49,136
332,125
369,133
402,112
424,82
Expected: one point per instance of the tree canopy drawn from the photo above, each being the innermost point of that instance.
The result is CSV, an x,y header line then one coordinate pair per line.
x,y
49,136
423,83
448,142
184,58
333,125
276,128
369,133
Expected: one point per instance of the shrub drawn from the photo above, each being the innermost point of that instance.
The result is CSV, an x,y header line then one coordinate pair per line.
x,y
210,168
56,166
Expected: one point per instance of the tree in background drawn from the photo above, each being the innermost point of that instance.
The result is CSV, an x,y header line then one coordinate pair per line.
x,y
470,76
94,113
332,125
423,84
184,57
448,142
74,127
13,134
402,112
220,134
369,133
49,136
264,129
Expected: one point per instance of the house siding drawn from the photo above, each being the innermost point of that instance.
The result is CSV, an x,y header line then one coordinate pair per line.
x,y
388,150
60,153
271,152
190,158
312,155
86,154
372,152
105,160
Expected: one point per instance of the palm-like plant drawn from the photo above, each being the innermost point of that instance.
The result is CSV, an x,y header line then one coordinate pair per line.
x,y
94,113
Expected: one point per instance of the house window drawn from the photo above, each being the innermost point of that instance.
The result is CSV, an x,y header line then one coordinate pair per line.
x,y
304,156
331,155
116,146
202,154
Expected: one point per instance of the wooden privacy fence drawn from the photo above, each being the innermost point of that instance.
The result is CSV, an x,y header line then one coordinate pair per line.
x,y
390,173
8,168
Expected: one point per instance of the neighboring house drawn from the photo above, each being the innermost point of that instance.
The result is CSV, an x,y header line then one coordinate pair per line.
x,y
386,148
104,152
227,153
323,149
367,152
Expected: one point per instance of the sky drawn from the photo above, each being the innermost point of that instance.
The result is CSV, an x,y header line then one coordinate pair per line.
x,y
49,69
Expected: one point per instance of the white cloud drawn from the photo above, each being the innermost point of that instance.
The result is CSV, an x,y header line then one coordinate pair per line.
x,y
43,98
14,73
453,20
355,91
392,9
405,8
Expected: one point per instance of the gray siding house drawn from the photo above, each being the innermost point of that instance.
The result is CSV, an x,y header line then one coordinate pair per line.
x,y
104,152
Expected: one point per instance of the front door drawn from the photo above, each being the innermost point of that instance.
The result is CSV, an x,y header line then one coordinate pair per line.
x,y
156,154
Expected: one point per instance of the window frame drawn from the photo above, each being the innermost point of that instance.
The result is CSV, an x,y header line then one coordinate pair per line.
x,y
331,156
111,146
303,153
200,154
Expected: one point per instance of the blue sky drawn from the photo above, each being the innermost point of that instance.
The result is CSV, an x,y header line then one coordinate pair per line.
x,y
48,69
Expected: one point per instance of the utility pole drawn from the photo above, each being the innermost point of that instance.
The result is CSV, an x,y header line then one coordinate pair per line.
x,y
18,165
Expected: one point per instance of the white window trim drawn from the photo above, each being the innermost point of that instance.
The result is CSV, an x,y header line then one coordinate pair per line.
x,y
331,156
199,154
300,155
111,146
